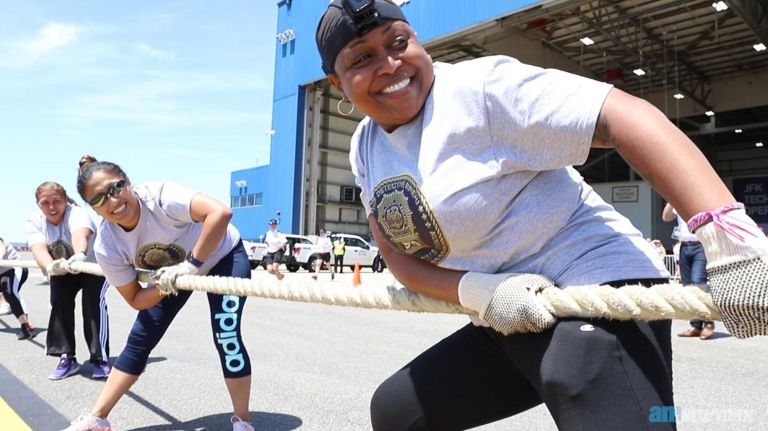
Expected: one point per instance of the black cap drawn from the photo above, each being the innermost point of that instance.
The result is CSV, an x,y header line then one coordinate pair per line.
x,y
272,221
346,19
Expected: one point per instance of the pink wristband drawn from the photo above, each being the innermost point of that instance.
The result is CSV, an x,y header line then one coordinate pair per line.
x,y
716,217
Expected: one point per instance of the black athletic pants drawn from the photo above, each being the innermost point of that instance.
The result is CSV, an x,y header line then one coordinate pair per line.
x,y
60,338
10,284
592,374
338,263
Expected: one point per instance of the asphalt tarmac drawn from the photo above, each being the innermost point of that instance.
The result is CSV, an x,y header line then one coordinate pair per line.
x,y
316,366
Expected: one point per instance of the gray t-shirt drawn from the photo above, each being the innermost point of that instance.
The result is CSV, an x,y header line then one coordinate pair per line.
x,y
58,238
163,237
482,180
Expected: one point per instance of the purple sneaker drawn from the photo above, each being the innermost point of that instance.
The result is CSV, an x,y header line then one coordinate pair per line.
x,y
67,367
101,370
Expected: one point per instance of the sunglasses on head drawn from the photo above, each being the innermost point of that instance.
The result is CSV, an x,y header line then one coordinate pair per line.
x,y
113,191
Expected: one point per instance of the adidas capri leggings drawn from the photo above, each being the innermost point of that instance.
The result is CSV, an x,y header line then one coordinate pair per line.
x,y
592,374
226,310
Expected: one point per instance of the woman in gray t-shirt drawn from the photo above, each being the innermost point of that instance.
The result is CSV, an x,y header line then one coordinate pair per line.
x,y
174,231
492,140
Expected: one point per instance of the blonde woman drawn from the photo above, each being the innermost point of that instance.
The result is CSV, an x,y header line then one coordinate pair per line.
x,y
57,233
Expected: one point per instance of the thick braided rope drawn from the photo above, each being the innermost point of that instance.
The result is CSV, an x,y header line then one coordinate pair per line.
x,y
658,302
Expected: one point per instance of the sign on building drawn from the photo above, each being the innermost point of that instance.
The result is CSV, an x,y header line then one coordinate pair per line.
x,y
753,192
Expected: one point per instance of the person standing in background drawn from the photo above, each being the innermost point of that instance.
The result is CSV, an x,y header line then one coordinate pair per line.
x,y
324,248
693,269
11,280
276,243
339,248
58,234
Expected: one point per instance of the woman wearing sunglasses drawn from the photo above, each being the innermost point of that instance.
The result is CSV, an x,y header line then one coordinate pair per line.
x,y
176,231
494,140
58,232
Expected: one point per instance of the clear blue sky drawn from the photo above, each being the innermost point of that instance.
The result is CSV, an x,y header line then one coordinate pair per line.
x,y
170,90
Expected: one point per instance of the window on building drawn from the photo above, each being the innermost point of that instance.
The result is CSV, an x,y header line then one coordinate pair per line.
x,y
246,200
350,194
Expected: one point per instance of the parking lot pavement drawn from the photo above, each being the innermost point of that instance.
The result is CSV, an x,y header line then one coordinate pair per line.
x,y
315,367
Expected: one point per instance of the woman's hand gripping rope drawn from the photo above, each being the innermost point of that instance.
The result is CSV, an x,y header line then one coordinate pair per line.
x,y
165,278
737,267
57,267
507,302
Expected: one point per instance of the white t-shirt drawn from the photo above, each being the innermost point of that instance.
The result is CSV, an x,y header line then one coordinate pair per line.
x,y
275,240
324,244
58,238
683,234
481,180
164,235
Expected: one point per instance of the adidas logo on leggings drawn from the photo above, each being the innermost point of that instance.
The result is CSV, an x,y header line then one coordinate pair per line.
x,y
228,338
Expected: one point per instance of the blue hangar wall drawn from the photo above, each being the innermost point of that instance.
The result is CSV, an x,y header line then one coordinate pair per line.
x,y
276,187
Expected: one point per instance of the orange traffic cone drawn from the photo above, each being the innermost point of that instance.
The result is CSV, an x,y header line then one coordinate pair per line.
x,y
356,277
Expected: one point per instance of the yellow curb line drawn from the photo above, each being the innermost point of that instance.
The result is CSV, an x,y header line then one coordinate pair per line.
x,y
9,420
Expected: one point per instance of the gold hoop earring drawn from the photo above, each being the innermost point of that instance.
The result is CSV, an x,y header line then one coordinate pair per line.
x,y
345,113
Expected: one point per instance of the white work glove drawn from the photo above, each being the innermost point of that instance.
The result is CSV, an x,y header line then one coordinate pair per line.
x,y
165,277
737,268
77,257
57,267
507,302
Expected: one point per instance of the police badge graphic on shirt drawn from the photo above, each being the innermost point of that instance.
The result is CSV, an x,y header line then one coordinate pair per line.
x,y
156,255
404,217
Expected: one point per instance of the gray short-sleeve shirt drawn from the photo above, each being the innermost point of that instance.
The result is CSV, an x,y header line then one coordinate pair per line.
x,y
482,180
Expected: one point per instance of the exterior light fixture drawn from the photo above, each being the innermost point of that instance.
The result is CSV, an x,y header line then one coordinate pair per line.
x,y
720,6
639,72
738,131
758,144
587,41
286,36
709,113
678,96
759,47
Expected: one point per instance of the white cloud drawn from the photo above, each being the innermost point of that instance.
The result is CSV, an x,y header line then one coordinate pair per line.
x,y
160,103
50,37
151,51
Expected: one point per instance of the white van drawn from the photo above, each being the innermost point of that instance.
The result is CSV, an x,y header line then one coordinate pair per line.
x,y
360,251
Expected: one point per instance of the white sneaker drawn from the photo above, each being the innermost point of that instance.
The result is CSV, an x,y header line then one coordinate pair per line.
x,y
88,423
240,425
